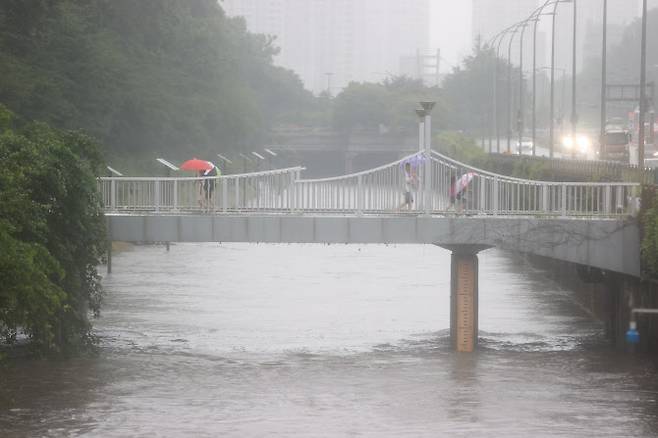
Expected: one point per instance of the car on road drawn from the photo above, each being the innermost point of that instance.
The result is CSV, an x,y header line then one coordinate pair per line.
x,y
526,146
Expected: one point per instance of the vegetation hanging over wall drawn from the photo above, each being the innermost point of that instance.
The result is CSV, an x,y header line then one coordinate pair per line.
x,y
649,225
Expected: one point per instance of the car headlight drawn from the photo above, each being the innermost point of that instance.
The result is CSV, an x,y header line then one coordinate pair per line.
x,y
584,144
567,142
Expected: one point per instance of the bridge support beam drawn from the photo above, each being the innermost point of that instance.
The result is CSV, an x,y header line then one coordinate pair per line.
x,y
464,297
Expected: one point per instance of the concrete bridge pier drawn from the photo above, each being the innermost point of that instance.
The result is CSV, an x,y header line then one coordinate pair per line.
x,y
464,296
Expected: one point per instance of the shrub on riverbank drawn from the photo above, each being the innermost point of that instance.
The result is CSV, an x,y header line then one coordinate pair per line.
x,y
51,235
649,224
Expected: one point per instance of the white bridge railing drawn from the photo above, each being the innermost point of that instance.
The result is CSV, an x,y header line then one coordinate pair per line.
x,y
261,191
375,191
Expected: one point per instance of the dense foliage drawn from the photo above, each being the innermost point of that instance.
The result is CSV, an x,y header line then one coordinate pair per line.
x,y
468,91
167,76
649,222
388,105
51,235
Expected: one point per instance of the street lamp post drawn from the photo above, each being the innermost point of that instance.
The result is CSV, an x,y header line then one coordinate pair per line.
x,y
604,80
495,90
551,139
427,108
574,114
540,12
494,93
509,89
643,87
270,155
420,112
521,88
259,160
534,87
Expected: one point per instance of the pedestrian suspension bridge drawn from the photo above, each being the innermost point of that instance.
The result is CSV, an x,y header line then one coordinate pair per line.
x,y
590,224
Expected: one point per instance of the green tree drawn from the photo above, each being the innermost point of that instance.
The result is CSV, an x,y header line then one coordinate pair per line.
x,y
389,104
52,236
171,77
468,91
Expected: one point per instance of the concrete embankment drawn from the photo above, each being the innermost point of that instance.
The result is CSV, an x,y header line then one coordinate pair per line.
x,y
609,297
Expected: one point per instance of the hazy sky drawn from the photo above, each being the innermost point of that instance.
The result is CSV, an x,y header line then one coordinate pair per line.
x,y
451,30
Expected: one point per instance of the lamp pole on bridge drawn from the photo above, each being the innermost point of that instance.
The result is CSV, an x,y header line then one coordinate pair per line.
x,y
420,112
427,109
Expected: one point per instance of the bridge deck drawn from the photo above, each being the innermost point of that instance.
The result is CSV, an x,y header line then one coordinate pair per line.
x,y
579,222
610,244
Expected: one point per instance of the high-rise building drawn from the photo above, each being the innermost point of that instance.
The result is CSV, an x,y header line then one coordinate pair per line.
x,y
330,43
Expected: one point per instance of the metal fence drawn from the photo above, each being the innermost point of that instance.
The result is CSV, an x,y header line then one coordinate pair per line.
x,y
376,191
490,193
261,191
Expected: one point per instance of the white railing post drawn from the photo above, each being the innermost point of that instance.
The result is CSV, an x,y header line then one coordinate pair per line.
x,y
495,195
608,208
175,203
483,194
427,189
156,195
237,193
359,195
225,194
292,190
564,200
113,194
545,198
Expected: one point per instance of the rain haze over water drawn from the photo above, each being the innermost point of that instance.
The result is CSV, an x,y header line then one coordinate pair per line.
x,y
313,340
311,120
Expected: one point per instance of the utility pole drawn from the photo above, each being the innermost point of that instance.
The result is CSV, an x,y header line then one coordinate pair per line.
x,y
604,80
509,91
643,87
551,134
574,114
427,183
520,120
534,87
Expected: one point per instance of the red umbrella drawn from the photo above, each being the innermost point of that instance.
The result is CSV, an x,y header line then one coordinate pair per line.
x,y
197,165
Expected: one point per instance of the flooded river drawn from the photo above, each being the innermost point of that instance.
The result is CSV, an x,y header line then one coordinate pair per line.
x,y
309,340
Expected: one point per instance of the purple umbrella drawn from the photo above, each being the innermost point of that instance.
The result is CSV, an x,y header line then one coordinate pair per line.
x,y
414,161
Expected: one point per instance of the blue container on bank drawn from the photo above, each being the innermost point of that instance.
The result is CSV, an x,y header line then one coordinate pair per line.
x,y
632,335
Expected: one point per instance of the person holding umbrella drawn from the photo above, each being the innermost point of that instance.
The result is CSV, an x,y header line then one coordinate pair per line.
x,y
208,185
410,185
457,190
206,170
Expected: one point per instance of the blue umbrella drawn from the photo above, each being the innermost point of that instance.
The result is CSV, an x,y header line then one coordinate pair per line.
x,y
415,160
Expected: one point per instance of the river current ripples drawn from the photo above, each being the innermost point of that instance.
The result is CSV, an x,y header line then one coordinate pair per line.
x,y
240,340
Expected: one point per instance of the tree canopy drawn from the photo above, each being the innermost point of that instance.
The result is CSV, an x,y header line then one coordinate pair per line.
x,y
167,76
388,105
51,234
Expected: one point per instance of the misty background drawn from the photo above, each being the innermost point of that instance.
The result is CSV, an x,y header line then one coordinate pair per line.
x,y
329,44
312,80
